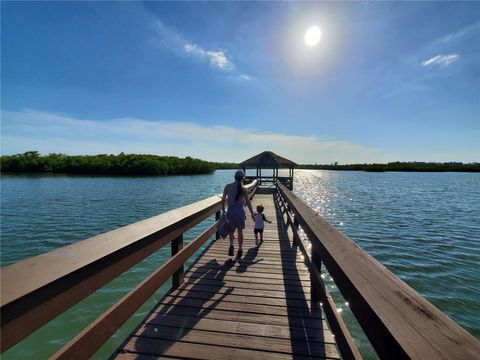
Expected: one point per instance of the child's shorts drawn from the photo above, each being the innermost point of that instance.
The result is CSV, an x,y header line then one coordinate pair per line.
x,y
256,231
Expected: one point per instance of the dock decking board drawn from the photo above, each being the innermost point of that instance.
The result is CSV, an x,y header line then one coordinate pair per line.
x,y
258,307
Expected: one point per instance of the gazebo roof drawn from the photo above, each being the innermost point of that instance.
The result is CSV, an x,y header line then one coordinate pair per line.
x,y
267,159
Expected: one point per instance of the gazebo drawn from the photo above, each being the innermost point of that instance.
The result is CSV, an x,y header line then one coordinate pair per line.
x,y
270,160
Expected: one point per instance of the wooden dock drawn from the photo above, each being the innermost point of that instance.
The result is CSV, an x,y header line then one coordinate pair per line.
x,y
256,307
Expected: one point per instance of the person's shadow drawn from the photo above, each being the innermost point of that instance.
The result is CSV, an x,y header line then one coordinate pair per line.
x,y
248,260
181,309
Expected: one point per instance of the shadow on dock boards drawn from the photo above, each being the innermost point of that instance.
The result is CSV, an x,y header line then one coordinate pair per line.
x,y
177,315
248,260
309,338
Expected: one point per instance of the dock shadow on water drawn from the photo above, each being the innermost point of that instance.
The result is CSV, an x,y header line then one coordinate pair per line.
x,y
305,318
184,308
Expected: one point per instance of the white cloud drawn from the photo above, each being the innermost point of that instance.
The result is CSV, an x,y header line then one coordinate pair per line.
x,y
217,59
245,77
441,60
469,30
177,43
47,132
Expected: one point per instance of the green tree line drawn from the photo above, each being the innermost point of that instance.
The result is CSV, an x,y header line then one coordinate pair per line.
x,y
401,166
104,164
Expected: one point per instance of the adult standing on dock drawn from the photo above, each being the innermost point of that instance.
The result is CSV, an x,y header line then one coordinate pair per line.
x,y
237,197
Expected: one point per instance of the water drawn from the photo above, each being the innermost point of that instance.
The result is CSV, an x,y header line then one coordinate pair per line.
x,y
423,226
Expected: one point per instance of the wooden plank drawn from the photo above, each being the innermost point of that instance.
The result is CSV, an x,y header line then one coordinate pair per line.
x,y
262,266
278,294
244,328
242,307
146,346
253,254
246,279
253,273
234,316
251,342
222,256
226,296
399,322
129,356
297,288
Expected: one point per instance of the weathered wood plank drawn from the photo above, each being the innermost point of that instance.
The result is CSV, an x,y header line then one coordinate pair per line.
x,y
276,294
251,273
237,340
248,279
260,263
243,307
238,316
187,350
244,328
297,288
226,296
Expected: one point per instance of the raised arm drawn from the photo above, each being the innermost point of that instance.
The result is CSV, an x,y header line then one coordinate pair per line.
x,y
247,201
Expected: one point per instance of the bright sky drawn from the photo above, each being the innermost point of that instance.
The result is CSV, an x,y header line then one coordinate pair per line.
x,y
316,82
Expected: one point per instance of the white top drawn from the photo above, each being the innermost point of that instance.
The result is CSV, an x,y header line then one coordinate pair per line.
x,y
259,221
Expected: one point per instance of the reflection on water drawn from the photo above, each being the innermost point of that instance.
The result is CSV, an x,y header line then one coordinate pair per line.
x,y
424,227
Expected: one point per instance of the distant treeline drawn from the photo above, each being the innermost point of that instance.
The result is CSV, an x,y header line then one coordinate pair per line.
x,y
103,164
401,166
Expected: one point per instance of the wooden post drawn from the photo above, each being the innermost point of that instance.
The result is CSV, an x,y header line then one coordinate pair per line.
x,y
177,278
293,170
315,291
217,217
295,224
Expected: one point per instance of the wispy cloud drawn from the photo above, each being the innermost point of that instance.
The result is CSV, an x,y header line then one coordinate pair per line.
x,y
441,60
176,42
217,58
465,32
245,77
49,132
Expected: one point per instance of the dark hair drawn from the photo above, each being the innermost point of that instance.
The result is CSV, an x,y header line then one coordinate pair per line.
x,y
239,187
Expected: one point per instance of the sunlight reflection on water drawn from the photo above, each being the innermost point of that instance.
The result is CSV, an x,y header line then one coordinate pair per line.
x,y
424,227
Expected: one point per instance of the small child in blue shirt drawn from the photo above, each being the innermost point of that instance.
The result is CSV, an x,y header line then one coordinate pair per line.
x,y
259,224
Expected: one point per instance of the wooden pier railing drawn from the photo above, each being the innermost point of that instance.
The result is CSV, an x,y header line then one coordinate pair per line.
x,y
36,290
398,321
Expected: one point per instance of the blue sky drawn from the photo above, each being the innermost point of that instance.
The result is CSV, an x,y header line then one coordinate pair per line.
x,y
225,80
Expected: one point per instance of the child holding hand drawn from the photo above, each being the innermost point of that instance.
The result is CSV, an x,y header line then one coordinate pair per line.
x,y
259,224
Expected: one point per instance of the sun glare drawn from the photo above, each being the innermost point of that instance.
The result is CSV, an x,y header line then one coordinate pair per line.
x,y
313,36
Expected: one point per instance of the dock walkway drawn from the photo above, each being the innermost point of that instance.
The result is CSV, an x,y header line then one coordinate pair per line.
x,y
257,307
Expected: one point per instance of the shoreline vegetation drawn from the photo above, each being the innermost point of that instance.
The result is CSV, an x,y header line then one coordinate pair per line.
x,y
103,164
413,166
140,164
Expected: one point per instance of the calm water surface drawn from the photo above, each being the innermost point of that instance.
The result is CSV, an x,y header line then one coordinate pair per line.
x,y
425,227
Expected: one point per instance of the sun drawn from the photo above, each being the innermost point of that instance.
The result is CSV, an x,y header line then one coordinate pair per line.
x,y
313,35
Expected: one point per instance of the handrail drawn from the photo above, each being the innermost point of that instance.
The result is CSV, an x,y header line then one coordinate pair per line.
x,y
38,289
92,338
398,321
319,291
